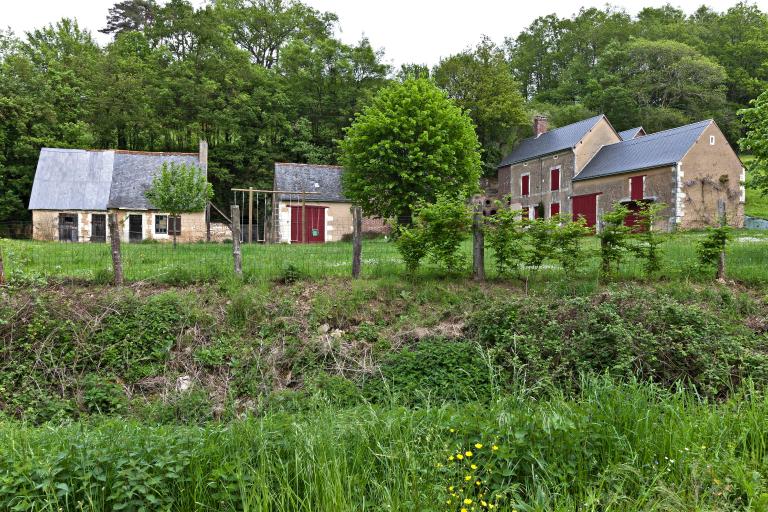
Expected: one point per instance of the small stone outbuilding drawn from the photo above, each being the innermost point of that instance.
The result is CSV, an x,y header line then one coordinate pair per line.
x,y
75,189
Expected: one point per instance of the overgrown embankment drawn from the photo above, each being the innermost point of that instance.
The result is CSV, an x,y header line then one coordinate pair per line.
x,y
190,355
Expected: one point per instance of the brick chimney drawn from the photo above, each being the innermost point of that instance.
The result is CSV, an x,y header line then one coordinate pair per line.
x,y
202,155
540,125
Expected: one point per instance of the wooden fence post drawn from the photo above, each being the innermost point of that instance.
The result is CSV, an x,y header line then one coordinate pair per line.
x,y
723,221
208,222
2,268
357,240
117,258
478,245
238,257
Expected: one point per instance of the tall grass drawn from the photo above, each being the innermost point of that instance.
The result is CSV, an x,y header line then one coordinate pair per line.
x,y
623,447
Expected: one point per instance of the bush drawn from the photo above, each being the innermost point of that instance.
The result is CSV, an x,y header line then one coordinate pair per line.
x,y
438,369
614,242
504,234
648,241
626,334
566,242
102,395
410,244
445,224
712,246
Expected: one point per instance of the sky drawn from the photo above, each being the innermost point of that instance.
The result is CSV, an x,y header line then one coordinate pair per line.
x,y
409,31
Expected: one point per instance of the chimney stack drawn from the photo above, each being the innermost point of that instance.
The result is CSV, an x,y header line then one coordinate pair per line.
x,y
202,155
540,125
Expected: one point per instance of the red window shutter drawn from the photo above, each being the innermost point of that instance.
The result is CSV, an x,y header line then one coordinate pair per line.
x,y
554,209
524,185
636,188
555,179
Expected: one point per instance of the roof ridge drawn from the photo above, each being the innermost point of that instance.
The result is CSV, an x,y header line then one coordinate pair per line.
x,y
563,127
310,165
661,134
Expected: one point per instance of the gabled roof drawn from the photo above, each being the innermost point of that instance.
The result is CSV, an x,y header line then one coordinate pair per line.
x,y
325,180
72,179
632,133
132,176
553,141
78,179
655,150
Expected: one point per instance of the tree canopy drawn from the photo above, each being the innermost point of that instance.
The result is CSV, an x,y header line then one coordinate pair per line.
x,y
411,145
269,80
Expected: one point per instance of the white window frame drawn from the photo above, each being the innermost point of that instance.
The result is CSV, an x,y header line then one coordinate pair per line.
x,y
529,184
154,225
559,169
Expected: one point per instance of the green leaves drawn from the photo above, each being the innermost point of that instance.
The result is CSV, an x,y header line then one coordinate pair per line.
x,y
409,146
179,188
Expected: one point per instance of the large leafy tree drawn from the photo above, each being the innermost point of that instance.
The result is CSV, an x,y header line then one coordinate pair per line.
x,y
481,82
411,145
755,141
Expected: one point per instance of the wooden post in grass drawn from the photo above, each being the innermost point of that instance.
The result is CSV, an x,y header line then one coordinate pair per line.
x,y
723,221
236,255
2,268
117,258
478,245
250,215
208,222
357,240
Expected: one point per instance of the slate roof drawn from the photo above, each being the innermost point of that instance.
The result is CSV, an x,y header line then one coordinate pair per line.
x,y
77,179
550,142
631,133
655,150
323,179
132,175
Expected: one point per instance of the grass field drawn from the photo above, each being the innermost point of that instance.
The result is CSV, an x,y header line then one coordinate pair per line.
x,y
747,260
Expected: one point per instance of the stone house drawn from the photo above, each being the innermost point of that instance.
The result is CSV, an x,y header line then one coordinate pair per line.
x,y
325,213
75,189
584,168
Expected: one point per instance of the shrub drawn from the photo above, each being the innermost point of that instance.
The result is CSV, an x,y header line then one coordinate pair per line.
x,y
566,242
410,244
614,242
648,241
712,246
541,235
445,224
436,368
505,235
626,334
102,395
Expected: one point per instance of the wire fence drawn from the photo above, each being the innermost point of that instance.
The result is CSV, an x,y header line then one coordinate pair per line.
x,y
90,260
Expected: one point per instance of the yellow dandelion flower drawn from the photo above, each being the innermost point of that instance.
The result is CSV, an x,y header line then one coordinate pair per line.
x,y
453,430
494,448
464,510
467,501
477,483
450,458
468,453
473,466
478,445
483,503
468,478
450,489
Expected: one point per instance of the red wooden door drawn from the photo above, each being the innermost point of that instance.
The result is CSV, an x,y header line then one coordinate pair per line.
x,y
314,231
585,206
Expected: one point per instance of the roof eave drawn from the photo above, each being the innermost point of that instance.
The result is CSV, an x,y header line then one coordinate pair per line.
x,y
615,173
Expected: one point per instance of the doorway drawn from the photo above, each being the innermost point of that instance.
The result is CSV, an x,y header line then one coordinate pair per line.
x,y
135,231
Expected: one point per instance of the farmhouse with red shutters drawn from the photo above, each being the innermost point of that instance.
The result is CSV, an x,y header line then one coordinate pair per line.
x,y
584,168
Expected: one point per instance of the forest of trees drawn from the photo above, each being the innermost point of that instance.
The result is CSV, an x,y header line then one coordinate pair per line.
x,y
269,80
